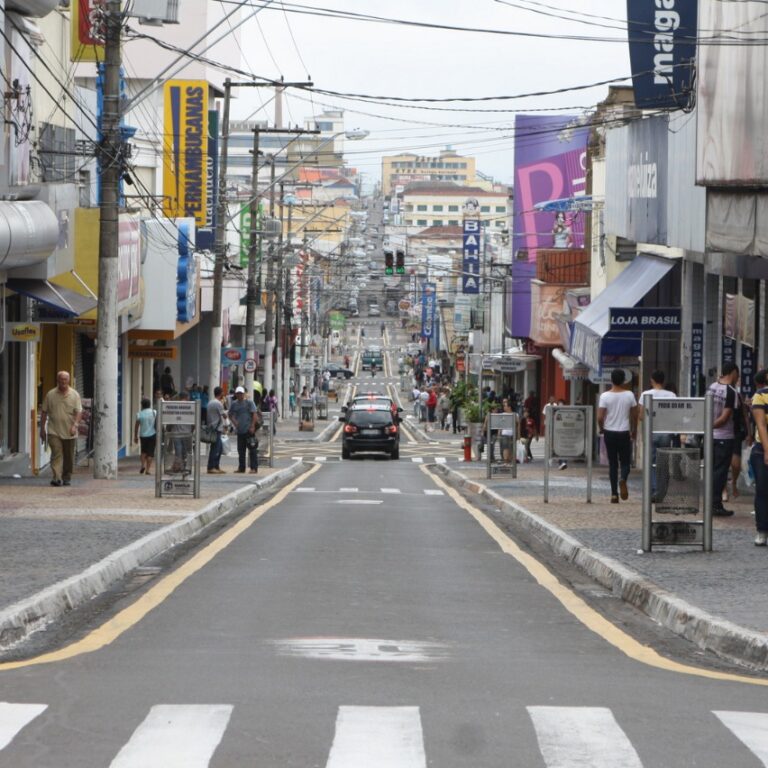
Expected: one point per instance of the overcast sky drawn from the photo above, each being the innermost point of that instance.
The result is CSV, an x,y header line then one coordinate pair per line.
x,y
385,60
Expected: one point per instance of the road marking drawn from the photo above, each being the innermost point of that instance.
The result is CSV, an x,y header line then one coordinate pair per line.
x,y
417,459
433,492
576,606
183,736
360,501
361,649
378,737
13,717
390,490
304,489
124,620
320,458
440,459
751,728
582,737
347,490
296,458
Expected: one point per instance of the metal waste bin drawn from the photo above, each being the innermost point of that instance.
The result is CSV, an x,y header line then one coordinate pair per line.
x,y
321,407
307,416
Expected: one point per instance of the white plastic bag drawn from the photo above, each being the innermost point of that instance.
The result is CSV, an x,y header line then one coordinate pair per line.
x,y
521,452
746,479
224,445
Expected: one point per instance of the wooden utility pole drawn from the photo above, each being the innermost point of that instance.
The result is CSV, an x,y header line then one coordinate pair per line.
x,y
105,401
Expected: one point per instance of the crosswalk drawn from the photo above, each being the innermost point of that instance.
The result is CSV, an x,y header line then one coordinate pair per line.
x,y
187,736
392,491
324,458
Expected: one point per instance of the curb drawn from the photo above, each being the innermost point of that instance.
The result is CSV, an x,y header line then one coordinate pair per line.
x,y
729,641
19,620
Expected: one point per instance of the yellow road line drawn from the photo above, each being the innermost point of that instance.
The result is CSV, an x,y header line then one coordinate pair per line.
x,y
575,605
112,629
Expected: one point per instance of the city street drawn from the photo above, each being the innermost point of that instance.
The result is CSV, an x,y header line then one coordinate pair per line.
x,y
361,617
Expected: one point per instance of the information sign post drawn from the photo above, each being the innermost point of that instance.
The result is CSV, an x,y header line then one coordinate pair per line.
x,y
501,437
688,416
569,437
177,465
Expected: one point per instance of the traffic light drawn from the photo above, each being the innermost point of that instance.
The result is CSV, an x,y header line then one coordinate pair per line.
x,y
400,263
389,263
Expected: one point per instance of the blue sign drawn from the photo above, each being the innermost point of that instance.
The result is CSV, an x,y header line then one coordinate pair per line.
x,y
697,357
186,275
747,371
470,269
205,236
662,48
428,303
729,350
644,319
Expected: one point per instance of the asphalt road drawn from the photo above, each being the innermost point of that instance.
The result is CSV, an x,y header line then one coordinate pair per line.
x,y
366,620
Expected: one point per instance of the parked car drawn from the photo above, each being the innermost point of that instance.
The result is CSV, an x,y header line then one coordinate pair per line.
x,y
338,371
369,428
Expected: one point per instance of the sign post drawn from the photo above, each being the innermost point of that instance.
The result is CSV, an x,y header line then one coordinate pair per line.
x,y
569,436
177,459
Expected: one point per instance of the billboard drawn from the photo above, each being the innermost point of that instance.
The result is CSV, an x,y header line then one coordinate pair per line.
x,y
550,164
185,150
662,48
87,34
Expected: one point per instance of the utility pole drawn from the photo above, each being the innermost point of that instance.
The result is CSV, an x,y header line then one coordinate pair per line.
x,y
253,250
111,154
272,296
220,247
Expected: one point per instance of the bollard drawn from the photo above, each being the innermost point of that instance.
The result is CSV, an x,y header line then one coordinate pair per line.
x,y
467,448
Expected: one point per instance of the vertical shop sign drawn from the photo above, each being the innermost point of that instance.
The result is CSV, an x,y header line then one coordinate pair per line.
x,y
428,310
729,350
470,271
697,356
747,371
205,235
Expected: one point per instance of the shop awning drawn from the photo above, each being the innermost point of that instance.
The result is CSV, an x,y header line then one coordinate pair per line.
x,y
591,339
573,369
62,300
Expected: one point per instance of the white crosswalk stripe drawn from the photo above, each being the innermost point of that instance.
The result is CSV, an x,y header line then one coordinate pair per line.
x,y
378,737
440,460
751,728
13,717
390,490
433,492
347,490
582,737
417,459
183,736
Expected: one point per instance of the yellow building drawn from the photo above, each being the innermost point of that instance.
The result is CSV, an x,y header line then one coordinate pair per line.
x,y
402,170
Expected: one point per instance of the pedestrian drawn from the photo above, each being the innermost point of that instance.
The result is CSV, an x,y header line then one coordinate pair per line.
x,y
346,361
423,397
657,392
271,400
246,420
617,422
292,402
216,418
431,407
61,414
507,435
373,370
145,430
726,402
758,458
528,431
741,432
166,383
444,408
326,380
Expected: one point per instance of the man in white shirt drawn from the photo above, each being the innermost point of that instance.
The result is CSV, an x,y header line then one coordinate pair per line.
x,y
657,392
617,422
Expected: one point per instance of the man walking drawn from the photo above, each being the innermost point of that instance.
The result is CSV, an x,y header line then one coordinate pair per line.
x,y
726,401
61,414
617,422
246,419
215,418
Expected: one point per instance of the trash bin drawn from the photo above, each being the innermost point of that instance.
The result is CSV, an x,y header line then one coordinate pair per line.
x,y
307,416
321,407
678,481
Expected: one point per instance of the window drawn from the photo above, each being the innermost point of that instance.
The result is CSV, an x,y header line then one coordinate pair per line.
x,y
437,222
324,126
409,208
462,165
409,222
485,209
453,209
499,224
453,222
421,208
437,208
421,222
501,209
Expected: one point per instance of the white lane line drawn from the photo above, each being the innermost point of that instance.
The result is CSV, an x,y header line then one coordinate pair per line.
x,y
13,717
361,649
360,501
440,459
390,490
347,490
750,728
183,736
433,492
417,459
378,737
582,737
320,458
304,489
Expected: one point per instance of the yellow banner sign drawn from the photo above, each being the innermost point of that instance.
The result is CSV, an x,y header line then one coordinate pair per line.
x,y
27,332
185,150
87,30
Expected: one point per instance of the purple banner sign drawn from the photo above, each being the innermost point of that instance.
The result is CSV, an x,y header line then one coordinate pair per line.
x,y
550,164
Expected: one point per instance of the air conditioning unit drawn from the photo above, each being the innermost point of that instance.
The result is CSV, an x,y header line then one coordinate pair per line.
x,y
155,12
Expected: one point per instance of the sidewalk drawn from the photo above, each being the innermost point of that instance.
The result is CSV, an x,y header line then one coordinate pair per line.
x,y
713,599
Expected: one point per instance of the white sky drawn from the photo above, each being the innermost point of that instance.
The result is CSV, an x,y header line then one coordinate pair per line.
x,y
394,60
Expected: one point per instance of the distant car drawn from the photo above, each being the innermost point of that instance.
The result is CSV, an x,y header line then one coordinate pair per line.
x,y
338,371
369,428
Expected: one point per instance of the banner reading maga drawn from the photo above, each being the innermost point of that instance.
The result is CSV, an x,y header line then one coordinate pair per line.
x,y
185,150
